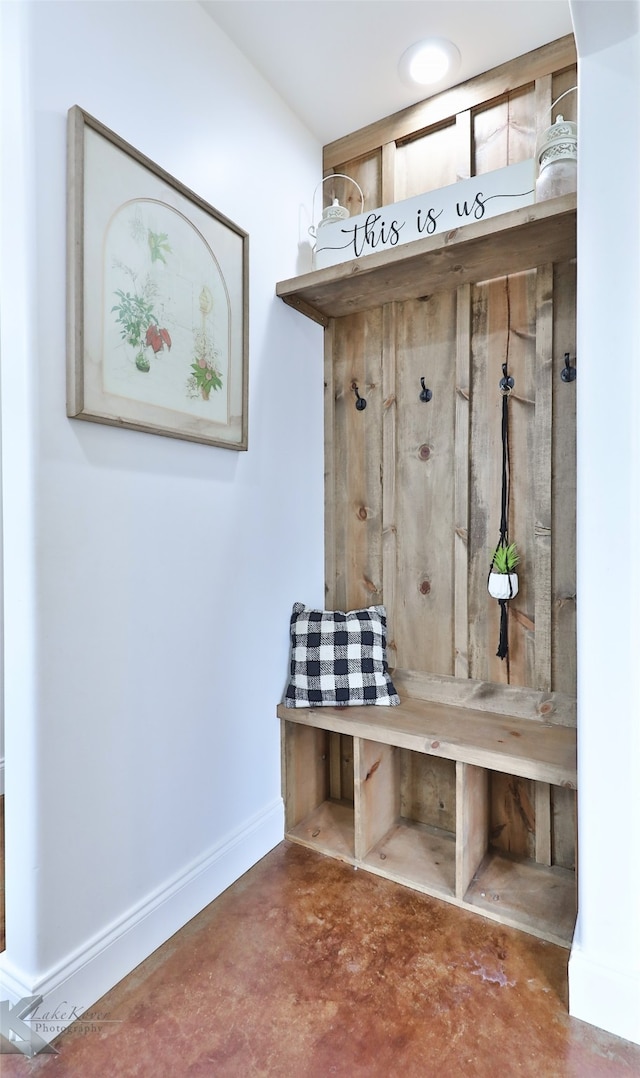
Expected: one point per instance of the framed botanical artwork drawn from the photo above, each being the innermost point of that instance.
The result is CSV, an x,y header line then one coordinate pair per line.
x,y
157,297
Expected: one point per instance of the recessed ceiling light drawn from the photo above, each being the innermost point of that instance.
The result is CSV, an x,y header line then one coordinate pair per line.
x,y
429,62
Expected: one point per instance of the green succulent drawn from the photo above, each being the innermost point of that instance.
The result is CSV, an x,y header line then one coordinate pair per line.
x,y
505,559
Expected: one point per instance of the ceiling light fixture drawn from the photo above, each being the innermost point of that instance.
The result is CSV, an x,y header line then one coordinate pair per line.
x,y
429,62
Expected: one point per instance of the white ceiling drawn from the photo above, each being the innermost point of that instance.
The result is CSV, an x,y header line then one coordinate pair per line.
x,y
335,61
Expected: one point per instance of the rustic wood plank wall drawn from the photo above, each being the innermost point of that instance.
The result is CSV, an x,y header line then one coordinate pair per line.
x,y
413,488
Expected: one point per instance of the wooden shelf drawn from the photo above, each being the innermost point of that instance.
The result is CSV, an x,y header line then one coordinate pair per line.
x,y
328,829
510,243
534,750
418,856
541,899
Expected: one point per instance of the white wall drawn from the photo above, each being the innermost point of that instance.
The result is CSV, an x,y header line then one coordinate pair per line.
x,y
604,972
148,582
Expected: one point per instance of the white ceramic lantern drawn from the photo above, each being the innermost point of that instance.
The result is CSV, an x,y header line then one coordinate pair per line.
x,y
334,212
557,157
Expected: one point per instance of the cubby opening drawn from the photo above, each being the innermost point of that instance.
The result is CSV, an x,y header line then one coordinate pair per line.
x,y
515,833
318,793
406,815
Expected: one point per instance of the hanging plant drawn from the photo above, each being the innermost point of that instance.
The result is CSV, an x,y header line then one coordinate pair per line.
x,y
503,580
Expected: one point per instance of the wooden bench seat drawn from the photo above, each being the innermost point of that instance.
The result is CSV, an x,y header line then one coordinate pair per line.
x,y
369,817
535,750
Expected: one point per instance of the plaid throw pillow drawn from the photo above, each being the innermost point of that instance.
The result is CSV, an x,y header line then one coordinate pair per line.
x,y
339,659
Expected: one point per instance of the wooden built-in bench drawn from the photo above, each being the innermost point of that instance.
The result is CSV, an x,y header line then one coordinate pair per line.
x,y
531,736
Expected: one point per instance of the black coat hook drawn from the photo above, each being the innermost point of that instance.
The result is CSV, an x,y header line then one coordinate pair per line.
x,y
360,401
425,394
568,373
506,382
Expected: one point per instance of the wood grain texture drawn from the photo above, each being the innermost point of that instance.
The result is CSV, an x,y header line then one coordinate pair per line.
x,y
542,794
423,619
472,831
306,770
427,162
331,569
388,175
329,829
563,507
462,421
541,900
428,790
563,827
504,131
542,481
377,787
512,825
418,856
357,450
519,701
502,743
389,449
367,172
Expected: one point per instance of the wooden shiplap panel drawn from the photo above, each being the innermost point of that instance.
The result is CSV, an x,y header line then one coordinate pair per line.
x,y
563,827
568,107
331,573
424,492
427,163
563,507
472,830
357,453
389,507
503,329
504,132
428,790
461,484
367,172
542,475
512,826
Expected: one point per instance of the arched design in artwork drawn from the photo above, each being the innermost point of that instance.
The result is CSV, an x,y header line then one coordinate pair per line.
x,y
166,312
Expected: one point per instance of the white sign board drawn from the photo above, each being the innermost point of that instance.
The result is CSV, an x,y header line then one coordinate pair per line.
x,y
450,207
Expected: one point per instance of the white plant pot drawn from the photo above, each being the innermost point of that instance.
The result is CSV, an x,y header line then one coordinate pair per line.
x,y
503,585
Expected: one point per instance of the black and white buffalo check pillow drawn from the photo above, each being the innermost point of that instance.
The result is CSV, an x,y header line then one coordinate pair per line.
x,y
339,659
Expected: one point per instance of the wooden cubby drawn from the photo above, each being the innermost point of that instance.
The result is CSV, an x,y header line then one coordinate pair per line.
x,y
389,821
466,791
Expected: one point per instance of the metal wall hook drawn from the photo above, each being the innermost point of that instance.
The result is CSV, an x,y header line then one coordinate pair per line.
x,y
425,394
360,401
568,373
506,382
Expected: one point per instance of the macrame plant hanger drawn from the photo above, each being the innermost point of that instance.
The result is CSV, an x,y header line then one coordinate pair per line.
x,y
506,385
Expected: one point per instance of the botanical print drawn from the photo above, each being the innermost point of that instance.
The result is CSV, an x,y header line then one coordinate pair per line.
x,y
167,324
157,297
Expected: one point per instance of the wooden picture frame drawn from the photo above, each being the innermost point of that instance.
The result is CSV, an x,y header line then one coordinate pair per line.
x,y
157,297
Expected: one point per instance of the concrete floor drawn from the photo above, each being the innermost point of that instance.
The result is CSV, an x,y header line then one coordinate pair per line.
x,y
306,968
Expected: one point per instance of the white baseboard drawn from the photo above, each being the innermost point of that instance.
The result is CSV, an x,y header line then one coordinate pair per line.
x,y
603,996
2,777
73,985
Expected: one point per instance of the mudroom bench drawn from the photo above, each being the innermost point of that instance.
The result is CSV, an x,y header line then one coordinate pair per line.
x,y
413,793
